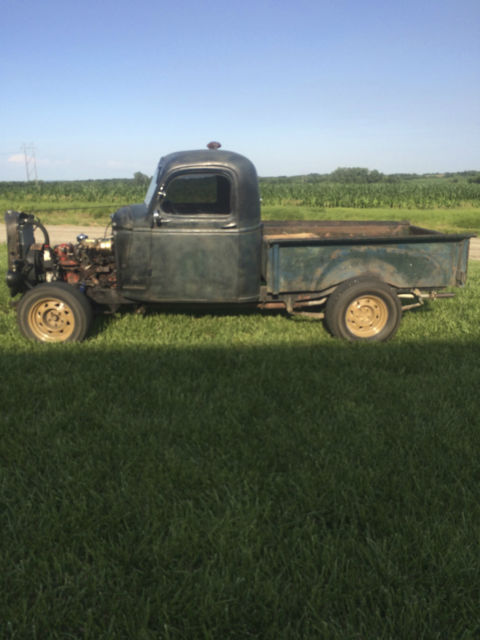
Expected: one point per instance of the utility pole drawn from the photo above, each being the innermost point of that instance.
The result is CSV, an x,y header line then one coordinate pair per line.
x,y
30,161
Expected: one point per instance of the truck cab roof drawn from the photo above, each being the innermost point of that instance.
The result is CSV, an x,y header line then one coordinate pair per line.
x,y
238,170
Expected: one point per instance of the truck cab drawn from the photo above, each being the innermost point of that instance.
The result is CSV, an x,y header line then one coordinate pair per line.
x,y
197,236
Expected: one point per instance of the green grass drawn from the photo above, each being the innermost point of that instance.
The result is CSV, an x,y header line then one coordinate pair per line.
x,y
459,220
242,476
75,212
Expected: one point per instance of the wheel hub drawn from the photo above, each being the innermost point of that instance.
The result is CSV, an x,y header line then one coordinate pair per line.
x,y
366,316
51,320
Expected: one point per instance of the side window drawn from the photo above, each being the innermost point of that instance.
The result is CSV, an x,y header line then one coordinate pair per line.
x,y
194,193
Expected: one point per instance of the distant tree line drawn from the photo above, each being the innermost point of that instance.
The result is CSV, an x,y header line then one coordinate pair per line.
x,y
360,175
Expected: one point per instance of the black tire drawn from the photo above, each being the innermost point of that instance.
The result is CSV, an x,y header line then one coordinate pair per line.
x,y
363,309
54,312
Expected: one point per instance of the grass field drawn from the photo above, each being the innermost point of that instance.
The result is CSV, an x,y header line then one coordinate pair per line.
x,y
73,213
223,477
459,220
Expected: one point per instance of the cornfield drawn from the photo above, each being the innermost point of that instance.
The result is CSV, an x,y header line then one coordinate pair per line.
x,y
404,194
97,191
408,194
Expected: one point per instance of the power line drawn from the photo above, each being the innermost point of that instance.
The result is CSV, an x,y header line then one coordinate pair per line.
x,y
30,161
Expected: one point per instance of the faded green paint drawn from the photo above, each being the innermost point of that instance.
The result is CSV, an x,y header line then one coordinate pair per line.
x,y
403,262
163,256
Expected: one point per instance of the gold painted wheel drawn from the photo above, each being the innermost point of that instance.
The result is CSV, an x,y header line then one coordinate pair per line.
x,y
51,320
366,316
363,309
54,312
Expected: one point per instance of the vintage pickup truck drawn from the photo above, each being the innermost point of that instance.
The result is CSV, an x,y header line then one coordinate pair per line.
x,y
198,239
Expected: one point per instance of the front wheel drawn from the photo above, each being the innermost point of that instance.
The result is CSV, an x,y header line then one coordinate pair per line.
x,y
363,309
54,312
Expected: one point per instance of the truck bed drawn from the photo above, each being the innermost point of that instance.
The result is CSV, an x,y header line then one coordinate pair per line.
x,y
280,230
308,255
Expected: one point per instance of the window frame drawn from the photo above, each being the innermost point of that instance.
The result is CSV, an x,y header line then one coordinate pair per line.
x,y
163,190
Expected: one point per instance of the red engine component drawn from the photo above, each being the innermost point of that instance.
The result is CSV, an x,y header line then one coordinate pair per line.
x,y
65,255
68,263
90,262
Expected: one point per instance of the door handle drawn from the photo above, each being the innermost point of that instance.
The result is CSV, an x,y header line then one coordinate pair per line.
x,y
158,219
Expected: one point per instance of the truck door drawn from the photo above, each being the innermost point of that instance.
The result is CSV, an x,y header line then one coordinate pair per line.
x,y
198,251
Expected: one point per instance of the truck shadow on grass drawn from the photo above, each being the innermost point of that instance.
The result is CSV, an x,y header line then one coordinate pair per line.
x,y
296,376
337,483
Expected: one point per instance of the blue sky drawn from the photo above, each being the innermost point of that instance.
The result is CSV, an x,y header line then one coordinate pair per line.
x,y
103,89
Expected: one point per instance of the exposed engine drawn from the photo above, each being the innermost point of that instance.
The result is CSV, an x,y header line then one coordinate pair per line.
x,y
89,263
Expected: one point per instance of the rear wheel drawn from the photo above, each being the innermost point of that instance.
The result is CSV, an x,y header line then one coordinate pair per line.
x,y
363,309
54,312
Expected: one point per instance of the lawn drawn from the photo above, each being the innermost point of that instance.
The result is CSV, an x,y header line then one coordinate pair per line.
x,y
242,476
456,220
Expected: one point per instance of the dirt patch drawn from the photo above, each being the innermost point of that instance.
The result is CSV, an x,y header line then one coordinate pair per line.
x,y
62,233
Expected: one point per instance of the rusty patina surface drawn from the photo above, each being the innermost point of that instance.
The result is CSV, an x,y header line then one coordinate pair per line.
x,y
167,254
315,256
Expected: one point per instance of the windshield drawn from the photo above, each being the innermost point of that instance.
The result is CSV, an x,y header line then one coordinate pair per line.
x,y
153,186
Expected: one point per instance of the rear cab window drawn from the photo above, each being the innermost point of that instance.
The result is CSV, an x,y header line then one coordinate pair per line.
x,y
198,193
